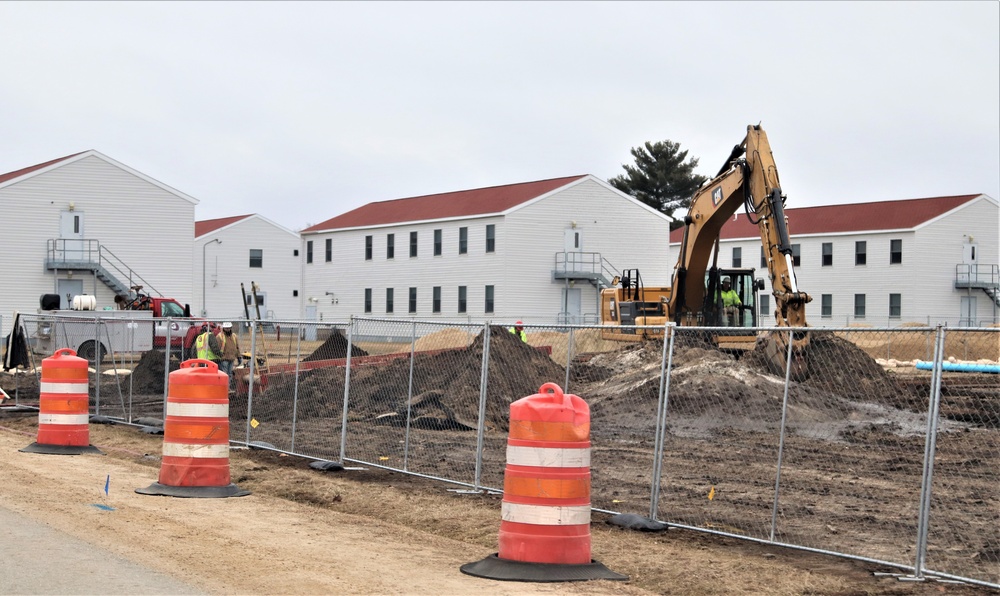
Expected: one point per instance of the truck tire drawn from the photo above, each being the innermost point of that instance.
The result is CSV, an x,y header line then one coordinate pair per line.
x,y
92,351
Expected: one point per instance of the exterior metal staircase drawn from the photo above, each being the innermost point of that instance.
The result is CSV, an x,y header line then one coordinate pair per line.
x,y
70,254
982,277
584,266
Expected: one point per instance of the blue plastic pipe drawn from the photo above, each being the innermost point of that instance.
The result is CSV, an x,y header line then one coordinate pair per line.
x,y
961,367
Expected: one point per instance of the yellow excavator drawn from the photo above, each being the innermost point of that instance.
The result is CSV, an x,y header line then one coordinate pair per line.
x,y
631,311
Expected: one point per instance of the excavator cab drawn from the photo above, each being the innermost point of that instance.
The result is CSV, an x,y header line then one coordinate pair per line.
x,y
745,285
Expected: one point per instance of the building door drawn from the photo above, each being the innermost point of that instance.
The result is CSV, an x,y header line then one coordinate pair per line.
x,y
309,333
970,257
70,246
573,245
67,290
571,308
968,312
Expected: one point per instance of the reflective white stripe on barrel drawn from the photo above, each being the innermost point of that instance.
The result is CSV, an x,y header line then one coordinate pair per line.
x,y
187,450
544,514
548,457
196,410
50,387
68,419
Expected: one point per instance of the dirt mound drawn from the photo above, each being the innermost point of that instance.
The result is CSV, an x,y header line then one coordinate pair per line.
x,y
147,376
453,376
838,366
335,346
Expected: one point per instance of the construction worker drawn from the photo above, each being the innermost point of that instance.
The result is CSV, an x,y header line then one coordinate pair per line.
x,y
518,330
207,345
229,350
730,303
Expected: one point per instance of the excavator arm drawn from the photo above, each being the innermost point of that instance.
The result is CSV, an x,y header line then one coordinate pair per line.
x,y
750,178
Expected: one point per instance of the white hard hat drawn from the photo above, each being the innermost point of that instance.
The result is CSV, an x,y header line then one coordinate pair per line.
x,y
227,325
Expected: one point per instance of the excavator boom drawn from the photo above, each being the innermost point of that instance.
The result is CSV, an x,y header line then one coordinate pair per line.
x,y
749,178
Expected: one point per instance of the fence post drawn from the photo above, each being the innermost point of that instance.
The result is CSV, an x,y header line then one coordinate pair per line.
x,y
930,446
781,435
661,416
251,371
97,366
295,387
347,388
409,396
483,386
166,363
569,359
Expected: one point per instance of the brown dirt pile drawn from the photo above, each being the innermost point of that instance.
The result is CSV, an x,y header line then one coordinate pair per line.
x,y
335,346
445,385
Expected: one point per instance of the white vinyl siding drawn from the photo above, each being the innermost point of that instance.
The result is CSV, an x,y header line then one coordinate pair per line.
x,y
227,266
142,222
527,239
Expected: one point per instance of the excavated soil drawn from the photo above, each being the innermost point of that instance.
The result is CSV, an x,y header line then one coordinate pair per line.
x,y
334,347
849,425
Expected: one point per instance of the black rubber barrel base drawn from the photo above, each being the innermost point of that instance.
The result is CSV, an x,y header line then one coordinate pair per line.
x,y
194,492
61,449
493,567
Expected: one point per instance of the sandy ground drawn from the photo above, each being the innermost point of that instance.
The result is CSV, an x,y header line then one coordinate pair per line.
x,y
309,532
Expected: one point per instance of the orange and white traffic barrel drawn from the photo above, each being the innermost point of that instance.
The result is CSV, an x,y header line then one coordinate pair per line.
x,y
545,513
196,435
64,406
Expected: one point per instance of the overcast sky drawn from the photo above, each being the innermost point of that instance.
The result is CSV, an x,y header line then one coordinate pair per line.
x,y
302,111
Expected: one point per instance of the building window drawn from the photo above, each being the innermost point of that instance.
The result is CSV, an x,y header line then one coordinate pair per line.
x,y
828,254
463,240
295,292
295,252
390,246
437,243
309,251
412,308
489,299
765,306
256,258
491,241
368,299
860,252
763,259
859,306
895,305
461,298
413,244
436,300
796,255
737,256
388,300
329,249
827,306
368,248
895,252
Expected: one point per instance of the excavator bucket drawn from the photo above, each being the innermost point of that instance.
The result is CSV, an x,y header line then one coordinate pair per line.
x,y
774,347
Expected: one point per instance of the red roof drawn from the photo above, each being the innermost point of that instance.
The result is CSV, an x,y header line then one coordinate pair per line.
x,y
463,203
210,225
30,169
856,217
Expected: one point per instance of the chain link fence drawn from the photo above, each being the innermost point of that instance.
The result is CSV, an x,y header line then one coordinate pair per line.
x,y
880,445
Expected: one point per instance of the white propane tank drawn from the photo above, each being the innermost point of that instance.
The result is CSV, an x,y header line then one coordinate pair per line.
x,y
84,302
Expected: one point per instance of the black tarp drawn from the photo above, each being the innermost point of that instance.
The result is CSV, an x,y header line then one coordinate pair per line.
x,y
15,346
